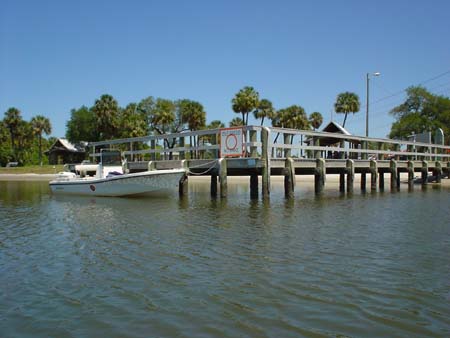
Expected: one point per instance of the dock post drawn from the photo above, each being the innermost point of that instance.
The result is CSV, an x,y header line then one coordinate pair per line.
x,y
265,156
438,171
153,147
381,181
410,174
213,185
253,139
317,153
182,153
223,177
342,152
254,186
342,181
394,174
289,178
373,175
350,175
424,172
364,147
287,140
319,176
183,186
151,165
363,181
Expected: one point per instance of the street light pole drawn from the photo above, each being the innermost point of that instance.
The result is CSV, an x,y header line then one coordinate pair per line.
x,y
367,100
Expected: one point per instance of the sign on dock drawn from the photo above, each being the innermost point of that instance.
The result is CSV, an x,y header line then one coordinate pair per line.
x,y
231,142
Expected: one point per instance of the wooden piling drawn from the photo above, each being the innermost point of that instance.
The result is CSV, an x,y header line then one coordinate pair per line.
x,y
410,174
253,186
253,139
350,164
319,176
183,186
424,172
287,140
223,177
363,181
438,171
151,165
213,185
342,182
153,147
394,174
373,175
381,181
364,146
317,153
265,157
289,178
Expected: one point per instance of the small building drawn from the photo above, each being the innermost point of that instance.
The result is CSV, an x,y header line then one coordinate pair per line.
x,y
329,141
62,152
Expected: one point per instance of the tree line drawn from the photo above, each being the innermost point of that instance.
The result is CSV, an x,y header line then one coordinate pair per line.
x,y
23,141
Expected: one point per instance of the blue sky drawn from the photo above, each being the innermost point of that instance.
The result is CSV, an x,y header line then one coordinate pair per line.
x,y
59,55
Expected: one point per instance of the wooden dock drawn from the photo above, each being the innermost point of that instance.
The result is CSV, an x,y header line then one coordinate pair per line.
x,y
300,153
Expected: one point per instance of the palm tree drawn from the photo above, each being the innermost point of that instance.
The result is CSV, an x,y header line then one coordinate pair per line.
x,y
347,103
216,124
106,110
40,125
163,115
12,122
193,114
315,119
236,122
264,109
293,117
245,101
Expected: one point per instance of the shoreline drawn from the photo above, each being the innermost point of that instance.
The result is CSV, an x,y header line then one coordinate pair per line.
x,y
278,180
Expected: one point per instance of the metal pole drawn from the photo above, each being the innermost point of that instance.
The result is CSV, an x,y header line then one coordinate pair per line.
x,y
367,104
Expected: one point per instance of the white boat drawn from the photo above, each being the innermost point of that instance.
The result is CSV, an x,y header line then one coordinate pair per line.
x,y
110,179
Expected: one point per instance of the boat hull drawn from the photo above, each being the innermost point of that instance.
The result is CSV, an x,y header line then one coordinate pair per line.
x,y
121,185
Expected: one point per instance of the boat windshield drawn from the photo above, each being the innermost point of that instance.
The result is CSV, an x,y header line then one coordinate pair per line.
x,y
111,158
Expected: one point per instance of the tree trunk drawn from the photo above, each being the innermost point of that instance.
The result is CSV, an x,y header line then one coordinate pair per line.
x,y
345,119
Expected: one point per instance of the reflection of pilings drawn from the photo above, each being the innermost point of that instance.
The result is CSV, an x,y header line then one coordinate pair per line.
x,y
394,174
319,176
373,175
410,174
424,172
289,178
223,177
350,164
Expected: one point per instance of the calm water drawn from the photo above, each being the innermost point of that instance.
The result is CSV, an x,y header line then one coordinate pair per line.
x,y
369,265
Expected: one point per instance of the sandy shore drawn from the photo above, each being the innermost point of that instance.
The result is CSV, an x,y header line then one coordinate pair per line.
x,y
27,177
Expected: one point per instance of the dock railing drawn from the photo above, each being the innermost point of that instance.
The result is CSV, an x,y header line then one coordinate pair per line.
x,y
281,143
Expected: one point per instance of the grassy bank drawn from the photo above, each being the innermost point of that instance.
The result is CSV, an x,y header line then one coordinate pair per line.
x,y
32,169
